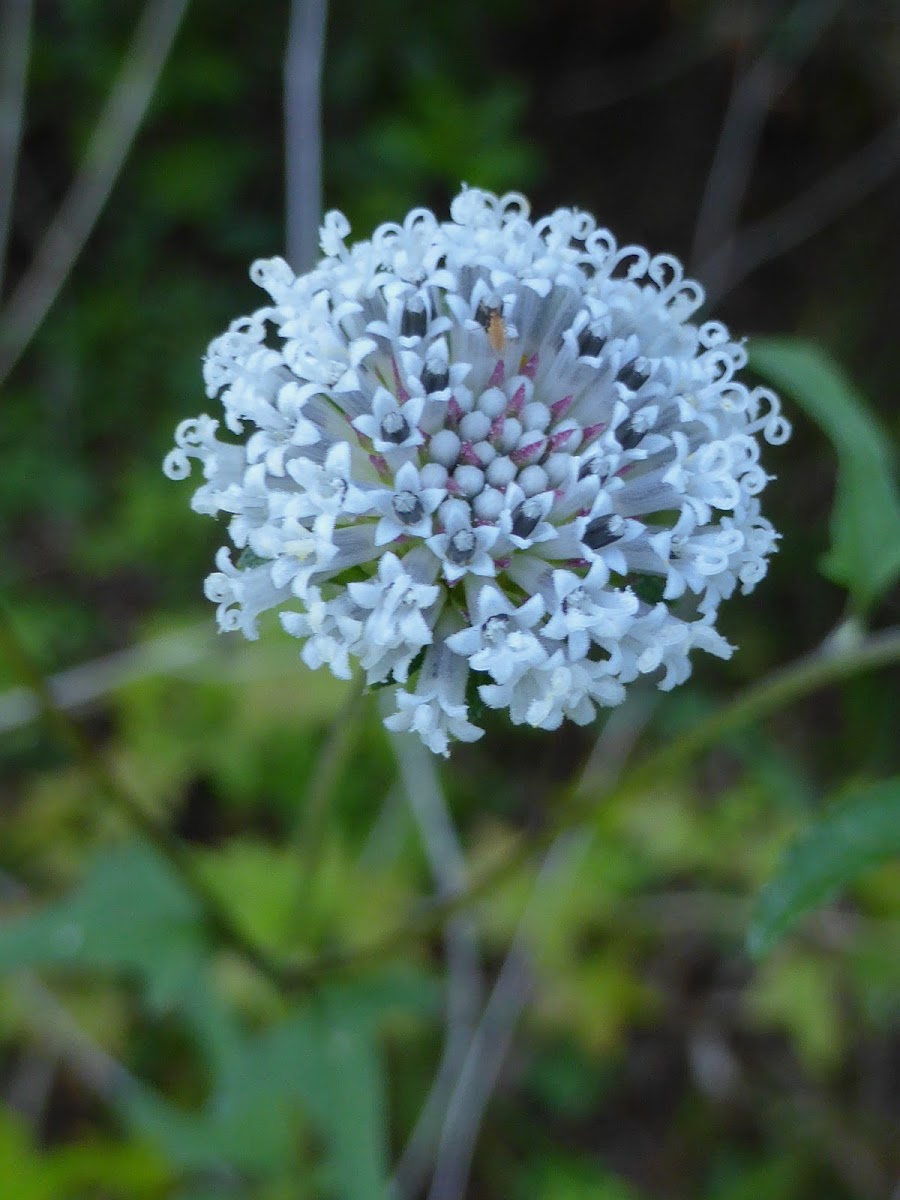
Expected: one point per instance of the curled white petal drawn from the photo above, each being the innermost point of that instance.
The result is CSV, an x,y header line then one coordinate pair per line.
x,y
491,449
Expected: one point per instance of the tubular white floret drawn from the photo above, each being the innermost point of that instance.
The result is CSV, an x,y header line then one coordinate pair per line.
x,y
488,453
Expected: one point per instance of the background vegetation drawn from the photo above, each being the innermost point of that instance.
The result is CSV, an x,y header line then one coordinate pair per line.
x,y
631,1047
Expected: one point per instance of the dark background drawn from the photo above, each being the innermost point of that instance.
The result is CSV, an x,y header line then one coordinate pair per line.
x,y
655,1060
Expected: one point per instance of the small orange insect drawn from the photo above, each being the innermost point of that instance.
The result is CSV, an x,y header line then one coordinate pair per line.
x,y
497,331
490,316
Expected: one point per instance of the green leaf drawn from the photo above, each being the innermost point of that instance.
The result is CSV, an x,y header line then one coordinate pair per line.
x,y
32,1172
865,521
335,1064
860,832
129,913
799,994
322,1061
560,1176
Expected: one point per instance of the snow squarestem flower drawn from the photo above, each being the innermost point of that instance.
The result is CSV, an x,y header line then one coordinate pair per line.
x,y
488,449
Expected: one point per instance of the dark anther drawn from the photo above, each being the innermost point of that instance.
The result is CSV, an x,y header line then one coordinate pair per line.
x,y
526,518
488,309
461,547
495,628
628,437
414,321
435,380
632,377
600,532
395,428
590,343
594,466
409,508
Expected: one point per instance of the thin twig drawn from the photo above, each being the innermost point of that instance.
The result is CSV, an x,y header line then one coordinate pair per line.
x,y
119,121
303,130
491,1042
15,43
88,682
590,90
464,986
310,826
30,1084
95,767
754,92
493,1037
804,216
775,691
103,1074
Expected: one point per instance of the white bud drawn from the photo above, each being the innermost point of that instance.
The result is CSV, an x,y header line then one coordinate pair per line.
x,y
512,431
501,472
475,426
433,475
488,505
536,416
533,480
444,447
470,479
492,402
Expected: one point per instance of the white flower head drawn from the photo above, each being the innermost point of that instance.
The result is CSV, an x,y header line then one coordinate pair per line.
x,y
487,450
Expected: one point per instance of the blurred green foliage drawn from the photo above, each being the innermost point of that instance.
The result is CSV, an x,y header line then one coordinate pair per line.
x,y
656,1059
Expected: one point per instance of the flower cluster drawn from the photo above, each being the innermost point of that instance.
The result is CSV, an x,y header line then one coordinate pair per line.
x,y
489,446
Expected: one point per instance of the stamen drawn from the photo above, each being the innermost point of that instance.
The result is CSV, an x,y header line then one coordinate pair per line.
x,y
633,377
590,342
603,531
495,628
593,466
414,320
627,436
461,547
395,428
526,518
408,508
435,378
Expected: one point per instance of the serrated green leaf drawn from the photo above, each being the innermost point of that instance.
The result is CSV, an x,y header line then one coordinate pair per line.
x,y
864,556
860,832
129,913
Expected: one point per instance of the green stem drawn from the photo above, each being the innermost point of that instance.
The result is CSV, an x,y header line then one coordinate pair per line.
x,y
777,690
95,767
576,805
311,828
